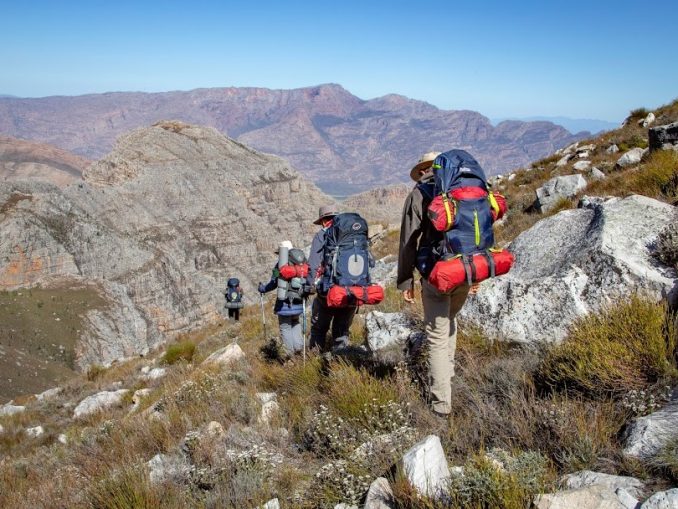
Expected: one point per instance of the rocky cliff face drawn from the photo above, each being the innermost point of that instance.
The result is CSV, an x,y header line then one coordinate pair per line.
x,y
21,160
343,143
381,204
157,225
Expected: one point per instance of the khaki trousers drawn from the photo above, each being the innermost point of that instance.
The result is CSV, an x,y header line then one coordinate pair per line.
x,y
440,311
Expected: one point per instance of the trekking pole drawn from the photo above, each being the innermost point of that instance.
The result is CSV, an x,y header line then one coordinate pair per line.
x,y
263,315
304,329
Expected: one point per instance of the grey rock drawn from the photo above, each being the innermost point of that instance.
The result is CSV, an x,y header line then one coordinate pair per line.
x,y
62,439
11,409
587,478
426,467
572,264
586,148
35,431
380,495
612,149
564,160
155,228
98,402
627,500
48,394
271,504
647,435
138,396
388,330
596,174
226,355
558,188
385,270
662,500
649,119
593,497
582,165
345,506
664,135
155,373
631,157
168,468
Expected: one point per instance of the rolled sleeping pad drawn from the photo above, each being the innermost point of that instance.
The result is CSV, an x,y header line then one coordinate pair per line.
x,y
234,305
345,296
283,259
448,274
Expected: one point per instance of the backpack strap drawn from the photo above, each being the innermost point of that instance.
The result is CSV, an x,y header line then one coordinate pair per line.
x,y
490,263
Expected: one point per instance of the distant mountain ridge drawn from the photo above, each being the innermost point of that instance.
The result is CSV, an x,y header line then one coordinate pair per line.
x,y
574,125
330,135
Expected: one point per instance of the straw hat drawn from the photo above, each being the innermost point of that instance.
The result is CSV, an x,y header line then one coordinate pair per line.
x,y
424,162
325,212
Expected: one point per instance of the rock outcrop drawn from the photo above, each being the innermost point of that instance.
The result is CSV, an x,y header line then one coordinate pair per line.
x,y
381,204
664,137
156,227
572,264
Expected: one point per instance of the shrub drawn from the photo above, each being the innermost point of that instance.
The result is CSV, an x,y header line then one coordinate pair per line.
x,y
500,480
122,490
626,346
94,372
667,246
182,351
658,177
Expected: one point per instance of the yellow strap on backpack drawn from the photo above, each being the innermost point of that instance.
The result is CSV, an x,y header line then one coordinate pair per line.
x,y
493,203
448,211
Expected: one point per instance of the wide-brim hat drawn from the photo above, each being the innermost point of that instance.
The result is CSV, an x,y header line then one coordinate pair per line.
x,y
325,212
424,162
284,243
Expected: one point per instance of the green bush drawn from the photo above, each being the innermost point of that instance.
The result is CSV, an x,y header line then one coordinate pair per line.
x,y
182,351
658,178
627,346
667,246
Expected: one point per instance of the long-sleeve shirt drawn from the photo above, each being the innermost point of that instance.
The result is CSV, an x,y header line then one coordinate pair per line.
x,y
315,257
415,230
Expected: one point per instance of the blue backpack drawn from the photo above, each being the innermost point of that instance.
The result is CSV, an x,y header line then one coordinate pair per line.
x,y
346,256
459,204
233,291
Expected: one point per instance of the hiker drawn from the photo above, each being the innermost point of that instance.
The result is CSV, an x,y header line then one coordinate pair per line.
x,y
323,317
288,278
234,298
431,251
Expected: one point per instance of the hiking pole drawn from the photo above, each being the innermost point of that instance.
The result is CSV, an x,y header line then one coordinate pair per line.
x,y
303,327
263,315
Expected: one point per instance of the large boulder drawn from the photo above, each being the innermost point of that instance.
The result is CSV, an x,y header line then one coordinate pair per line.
x,y
663,136
572,264
647,435
425,467
226,355
586,478
389,330
98,402
558,188
593,497
631,157
380,495
662,500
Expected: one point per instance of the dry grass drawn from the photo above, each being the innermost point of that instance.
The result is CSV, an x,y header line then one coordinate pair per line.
x,y
627,346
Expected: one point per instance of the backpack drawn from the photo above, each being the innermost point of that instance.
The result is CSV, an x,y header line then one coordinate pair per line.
x,y
294,273
463,209
346,262
233,293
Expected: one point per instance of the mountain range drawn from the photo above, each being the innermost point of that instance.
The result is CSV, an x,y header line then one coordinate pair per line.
x,y
343,143
574,125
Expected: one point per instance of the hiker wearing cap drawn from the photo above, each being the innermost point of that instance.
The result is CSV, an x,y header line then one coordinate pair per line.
x,y
323,317
288,278
417,239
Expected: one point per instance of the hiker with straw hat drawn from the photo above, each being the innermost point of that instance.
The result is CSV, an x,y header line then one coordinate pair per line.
x,y
418,241
323,317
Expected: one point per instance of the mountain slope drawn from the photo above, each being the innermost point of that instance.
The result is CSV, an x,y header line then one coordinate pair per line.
x,y
327,133
21,159
156,228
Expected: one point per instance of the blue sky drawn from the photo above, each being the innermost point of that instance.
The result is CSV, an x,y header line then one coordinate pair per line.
x,y
504,59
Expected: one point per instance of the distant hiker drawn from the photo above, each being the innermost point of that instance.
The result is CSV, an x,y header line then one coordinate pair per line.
x,y
288,278
234,302
446,234
339,262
